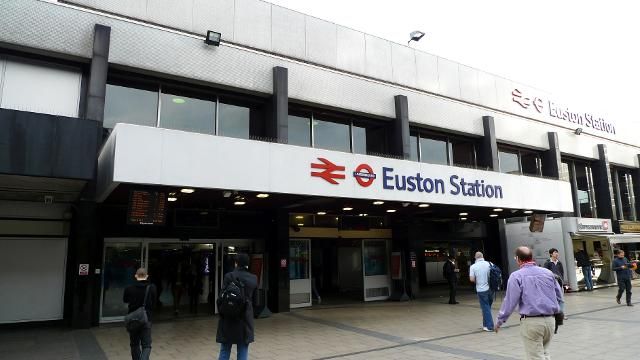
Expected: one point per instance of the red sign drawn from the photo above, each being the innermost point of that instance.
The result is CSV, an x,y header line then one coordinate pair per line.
x,y
364,175
256,267
83,269
283,263
329,171
605,225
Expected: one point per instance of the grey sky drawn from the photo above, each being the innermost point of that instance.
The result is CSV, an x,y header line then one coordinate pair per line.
x,y
585,53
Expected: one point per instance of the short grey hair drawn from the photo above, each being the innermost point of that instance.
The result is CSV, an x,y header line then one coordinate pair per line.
x,y
479,255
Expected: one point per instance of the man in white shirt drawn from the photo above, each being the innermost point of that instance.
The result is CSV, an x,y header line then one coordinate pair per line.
x,y
479,274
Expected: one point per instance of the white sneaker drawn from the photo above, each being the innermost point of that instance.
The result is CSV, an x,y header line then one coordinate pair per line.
x,y
484,328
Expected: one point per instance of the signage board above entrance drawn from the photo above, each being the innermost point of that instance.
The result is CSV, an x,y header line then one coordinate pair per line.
x,y
177,158
588,225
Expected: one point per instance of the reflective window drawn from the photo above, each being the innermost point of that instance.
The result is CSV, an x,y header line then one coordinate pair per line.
x,y
299,130
433,151
509,162
187,113
233,121
129,105
331,136
564,171
585,190
530,164
414,148
463,153
359,140
625,184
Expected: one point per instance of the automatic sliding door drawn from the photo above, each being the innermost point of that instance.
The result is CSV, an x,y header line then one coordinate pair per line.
x,y
299,273
121,261
375,258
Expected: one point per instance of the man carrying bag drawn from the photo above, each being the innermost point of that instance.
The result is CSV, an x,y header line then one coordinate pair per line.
x,y
141,298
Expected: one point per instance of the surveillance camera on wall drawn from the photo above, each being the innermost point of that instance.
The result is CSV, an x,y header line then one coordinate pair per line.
x,y
578,131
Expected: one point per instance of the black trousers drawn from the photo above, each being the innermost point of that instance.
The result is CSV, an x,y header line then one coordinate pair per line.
x,y
453,285
140,344
622,286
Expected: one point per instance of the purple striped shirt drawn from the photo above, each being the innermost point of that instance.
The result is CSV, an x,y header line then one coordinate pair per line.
x,y
534,290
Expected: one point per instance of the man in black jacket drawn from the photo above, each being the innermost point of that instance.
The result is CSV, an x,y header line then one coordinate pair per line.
x,y
585,263
134,295
238,331
450,272
623,274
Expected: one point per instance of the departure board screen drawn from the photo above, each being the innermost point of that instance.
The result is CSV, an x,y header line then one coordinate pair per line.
x,y
147,208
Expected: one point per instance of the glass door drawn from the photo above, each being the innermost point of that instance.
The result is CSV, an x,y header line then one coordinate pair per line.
x,y
121,261
299,273
375,260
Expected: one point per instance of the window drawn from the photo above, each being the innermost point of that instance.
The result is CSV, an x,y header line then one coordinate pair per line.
x,y
531,163
626,201
299,130
130,105
564,172
331,135
414,148
187,113
463,152
585,190
233,121
509,162
359,139
434,151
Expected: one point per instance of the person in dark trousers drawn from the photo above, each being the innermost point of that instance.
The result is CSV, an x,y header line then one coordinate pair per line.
x,y
623,273
238,331
554,264
585,263
450,272
134,295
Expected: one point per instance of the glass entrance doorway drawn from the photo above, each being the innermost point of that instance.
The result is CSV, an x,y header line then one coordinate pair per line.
x,y
184,273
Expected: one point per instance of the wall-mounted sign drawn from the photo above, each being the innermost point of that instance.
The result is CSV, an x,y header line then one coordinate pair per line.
x,y
147,208
594,225
629,227
537,222
283,263
83,269
553,110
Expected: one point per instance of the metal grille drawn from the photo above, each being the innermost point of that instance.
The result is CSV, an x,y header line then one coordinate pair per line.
x,y
300,298
378,292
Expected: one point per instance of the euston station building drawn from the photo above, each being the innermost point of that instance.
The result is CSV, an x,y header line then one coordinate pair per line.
x,y
174,134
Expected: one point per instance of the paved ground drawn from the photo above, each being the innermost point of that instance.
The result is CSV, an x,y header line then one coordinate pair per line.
x,y
597,328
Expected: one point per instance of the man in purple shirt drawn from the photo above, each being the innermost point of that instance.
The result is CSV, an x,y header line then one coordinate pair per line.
x,y
537,294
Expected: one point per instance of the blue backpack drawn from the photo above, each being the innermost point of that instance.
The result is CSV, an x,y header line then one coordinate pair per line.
x,y
495,277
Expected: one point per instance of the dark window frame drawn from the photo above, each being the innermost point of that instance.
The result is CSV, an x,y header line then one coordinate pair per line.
x,y
449,139
520,152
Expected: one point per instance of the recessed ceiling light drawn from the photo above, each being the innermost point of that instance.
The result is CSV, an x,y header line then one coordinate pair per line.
x,y
463,218
187,191
423,205
497,210
347,208
172,199
172,194
300,224
391,210
528,212
178,101
322,213
239,202
299,217
363,214
493,215
262,196
204,213
463,214
378,202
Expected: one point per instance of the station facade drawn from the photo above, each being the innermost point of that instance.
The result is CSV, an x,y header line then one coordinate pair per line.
x,y
347,166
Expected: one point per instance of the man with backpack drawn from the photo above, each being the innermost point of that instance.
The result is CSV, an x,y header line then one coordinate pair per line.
x,y
235,306
143,295
479,273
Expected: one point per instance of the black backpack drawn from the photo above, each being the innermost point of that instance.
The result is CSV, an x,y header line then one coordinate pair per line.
x,y
232,302
495,277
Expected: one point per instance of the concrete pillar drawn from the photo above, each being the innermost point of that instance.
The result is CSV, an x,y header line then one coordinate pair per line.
x,y
551,159
400,141
279,119
488,156
605,199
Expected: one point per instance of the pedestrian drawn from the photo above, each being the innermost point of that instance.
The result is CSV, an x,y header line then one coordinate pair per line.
x,y
450,272
536,293
623,274
554,264
142,292
479,274
238,330
585,263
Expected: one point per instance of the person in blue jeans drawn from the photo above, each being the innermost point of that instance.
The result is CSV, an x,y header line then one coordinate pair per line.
x,y
479,274
585,263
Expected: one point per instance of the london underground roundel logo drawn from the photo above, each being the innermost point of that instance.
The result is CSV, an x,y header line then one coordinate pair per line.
x,y
364,175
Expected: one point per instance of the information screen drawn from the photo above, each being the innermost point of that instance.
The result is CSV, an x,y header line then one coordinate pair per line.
x,y
147,208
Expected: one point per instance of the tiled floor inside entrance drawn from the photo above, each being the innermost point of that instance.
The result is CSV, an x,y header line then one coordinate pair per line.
x,y
597,328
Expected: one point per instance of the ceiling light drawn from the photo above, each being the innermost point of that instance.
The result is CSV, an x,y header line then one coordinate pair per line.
x,y
463,218
299,217
497,210
347,208
493,215
362,214
415,36
322,213
300,224
172,194
262,196
213,38
187,191
172,199
463,214
391,210
378,202
528,212
423,205
178,101
239,202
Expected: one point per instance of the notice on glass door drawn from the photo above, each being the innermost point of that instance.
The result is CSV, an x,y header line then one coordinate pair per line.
x,y
147,208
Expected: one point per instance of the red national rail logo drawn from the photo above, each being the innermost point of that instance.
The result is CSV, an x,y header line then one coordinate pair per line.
x,y
330,171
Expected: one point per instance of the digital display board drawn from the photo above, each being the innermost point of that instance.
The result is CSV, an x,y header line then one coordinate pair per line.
x,y
147,208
